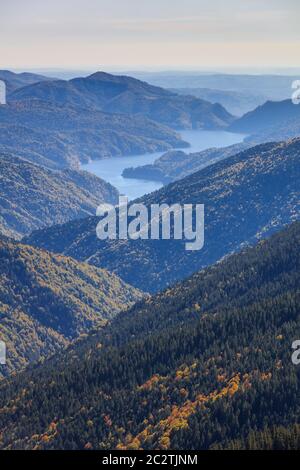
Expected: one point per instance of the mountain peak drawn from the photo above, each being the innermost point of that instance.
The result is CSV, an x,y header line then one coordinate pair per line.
x,y
108,77
100,75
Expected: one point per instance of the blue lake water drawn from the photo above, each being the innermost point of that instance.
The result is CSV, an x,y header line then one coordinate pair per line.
x,y
111,169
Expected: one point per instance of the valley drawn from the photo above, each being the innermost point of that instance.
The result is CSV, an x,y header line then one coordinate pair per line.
x,y
137,343
49,301
247,196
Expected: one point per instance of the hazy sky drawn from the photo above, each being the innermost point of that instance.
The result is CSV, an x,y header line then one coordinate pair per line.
x,y
137,33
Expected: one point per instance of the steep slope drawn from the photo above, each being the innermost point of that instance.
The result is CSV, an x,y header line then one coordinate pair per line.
x,y
285,130
46,301
270,115
122,94
33,197
204,365
57,135
246,197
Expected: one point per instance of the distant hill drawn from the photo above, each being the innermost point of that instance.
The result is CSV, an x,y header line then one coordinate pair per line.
x,y
33,197
236,102
57,136
122,94
47,301
14,81
267,117
204,365
246,196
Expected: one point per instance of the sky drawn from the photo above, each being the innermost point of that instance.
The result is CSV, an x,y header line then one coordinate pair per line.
x,y
137,34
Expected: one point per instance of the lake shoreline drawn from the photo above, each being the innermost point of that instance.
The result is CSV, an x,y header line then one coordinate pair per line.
x,y
111,170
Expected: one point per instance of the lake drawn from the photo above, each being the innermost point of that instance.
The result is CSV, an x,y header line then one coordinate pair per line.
x,y
111,169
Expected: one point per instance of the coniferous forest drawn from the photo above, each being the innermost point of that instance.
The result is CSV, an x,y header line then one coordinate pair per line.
x,y
203,365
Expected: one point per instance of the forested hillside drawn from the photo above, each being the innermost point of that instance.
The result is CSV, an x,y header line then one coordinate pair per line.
x,y
246,196
271,114
33,197
46,301
285,130
204,365
58,135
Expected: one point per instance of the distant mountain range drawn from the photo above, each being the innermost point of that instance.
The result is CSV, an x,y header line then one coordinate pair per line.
x,y
33,197
126,95
204,365
47,301
237,103
13,81
246,196
274,87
